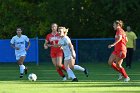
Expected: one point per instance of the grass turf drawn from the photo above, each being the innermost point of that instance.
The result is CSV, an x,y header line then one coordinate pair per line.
x,y
102,79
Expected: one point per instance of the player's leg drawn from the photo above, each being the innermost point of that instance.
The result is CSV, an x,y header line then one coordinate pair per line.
x,y
127,58
59,63
54,61
59,55
131,57
61,67
69,71
77,67
122,70
112,62
59,71
21,66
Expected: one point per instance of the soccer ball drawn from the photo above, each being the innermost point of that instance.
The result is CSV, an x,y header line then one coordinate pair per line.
x,y
32,77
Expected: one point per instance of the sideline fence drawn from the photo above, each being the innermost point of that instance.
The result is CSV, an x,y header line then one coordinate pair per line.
x,y
87,50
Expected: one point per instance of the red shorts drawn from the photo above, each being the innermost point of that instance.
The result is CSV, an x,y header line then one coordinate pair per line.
x,y
56,53
120,54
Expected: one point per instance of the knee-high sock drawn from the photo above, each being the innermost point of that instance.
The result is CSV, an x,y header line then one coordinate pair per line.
x,y
123,72
120,70
77,67
63,68
70,73
60,72
115,67
22,67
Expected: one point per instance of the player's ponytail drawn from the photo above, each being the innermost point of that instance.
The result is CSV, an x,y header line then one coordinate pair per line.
x,y
119,22
66,31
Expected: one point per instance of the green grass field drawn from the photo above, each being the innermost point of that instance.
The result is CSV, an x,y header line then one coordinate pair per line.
x,y
102,79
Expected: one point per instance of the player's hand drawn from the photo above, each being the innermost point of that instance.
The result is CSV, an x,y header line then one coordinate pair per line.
x,y
109,46
45,47
49,45
16,48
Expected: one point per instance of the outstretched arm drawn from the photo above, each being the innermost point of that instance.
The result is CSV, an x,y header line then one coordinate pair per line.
x,y
72,50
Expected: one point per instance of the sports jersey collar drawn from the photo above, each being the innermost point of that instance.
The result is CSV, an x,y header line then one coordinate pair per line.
x,y
18,36
54,34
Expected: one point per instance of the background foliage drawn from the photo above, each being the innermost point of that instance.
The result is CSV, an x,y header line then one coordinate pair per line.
x,y
85,18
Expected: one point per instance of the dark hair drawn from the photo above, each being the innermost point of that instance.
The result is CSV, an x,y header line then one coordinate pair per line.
x,y
19,28
119,22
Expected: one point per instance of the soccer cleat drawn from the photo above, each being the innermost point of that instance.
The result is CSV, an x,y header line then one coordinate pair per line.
x,y
75,80
127,79
64,79
86,72
25,70
21,76
120,76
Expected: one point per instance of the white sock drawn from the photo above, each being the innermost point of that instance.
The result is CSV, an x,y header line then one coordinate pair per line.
x,y
77,67
70,73
22,67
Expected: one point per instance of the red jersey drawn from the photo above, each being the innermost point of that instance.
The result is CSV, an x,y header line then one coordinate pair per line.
x,y
53,39
120,46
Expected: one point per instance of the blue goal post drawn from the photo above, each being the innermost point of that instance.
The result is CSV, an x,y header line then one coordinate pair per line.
x,y
7,53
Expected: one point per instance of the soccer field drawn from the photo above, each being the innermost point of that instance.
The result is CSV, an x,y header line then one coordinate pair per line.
x,y
102,79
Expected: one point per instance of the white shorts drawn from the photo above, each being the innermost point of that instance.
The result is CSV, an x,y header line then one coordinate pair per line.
x,y
19,55
68,58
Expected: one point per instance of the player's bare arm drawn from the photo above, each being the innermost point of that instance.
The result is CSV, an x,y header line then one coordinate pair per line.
x,y
46,44
28,46
72,50
117,41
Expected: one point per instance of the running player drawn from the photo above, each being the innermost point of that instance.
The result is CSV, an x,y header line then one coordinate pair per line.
x,y
69,53
18,43
56,52
119,53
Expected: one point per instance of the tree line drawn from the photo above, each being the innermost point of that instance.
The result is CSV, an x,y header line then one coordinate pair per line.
x,y
84,18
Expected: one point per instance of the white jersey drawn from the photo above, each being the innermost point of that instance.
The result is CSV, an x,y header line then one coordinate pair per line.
x,y
20,43
64,42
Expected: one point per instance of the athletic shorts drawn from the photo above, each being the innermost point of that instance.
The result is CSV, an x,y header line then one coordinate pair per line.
x,y
55,54
68,58
120,54
18,55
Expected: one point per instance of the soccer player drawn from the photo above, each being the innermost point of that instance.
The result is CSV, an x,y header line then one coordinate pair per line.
x,y
119,53
18,43
69,54
56,52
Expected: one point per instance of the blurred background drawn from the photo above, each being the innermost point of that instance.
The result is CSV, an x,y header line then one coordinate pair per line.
x,y
84,18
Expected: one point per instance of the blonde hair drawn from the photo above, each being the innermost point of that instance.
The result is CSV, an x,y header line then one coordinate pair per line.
x,y
65,30
119,22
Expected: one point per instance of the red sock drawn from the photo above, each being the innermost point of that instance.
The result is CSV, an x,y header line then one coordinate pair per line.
x,y
114,67
122,70
63,68
60,72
